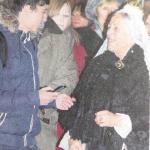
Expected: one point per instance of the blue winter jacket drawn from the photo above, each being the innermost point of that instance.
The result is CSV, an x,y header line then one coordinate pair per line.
x,y
19,84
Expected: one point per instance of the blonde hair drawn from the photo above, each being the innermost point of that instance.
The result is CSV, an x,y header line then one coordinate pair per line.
x,y
102,2
135,3
56,5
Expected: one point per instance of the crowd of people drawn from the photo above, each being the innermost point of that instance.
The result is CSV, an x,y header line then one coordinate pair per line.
x,y
74,74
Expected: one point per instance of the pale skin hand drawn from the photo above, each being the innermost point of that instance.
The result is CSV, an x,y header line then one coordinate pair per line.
x,y
106,118
47,97
64,102
75,145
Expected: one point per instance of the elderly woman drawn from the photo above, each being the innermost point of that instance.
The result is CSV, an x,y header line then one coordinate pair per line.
x,y
128,107
113,92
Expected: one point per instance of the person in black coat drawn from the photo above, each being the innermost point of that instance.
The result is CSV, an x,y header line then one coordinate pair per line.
x,y
84,27
113,93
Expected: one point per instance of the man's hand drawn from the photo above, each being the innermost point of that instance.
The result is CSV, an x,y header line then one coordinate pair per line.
x,y
47,97
64,102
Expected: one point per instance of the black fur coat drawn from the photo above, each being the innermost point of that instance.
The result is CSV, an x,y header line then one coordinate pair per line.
x,y
104,85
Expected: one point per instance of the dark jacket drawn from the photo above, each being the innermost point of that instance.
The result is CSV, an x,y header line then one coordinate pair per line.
x,y
104,86
90,40
19,84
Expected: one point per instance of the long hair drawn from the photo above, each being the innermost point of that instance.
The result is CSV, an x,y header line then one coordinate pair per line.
x,y
3,49
55,6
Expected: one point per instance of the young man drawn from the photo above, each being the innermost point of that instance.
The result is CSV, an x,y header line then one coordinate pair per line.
x,y
19,91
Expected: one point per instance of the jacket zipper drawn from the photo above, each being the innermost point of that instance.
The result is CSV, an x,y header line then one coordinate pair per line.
x,y
34,83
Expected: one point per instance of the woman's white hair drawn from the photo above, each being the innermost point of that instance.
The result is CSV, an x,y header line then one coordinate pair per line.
x,y
134,21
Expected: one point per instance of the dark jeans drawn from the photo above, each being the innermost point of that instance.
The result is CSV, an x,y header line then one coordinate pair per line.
x,y
5,147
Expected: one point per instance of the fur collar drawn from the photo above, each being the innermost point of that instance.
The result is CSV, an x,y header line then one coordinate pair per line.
x,y
52,26
8,19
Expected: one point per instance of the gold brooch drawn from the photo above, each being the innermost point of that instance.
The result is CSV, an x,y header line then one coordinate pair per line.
x,y
119,64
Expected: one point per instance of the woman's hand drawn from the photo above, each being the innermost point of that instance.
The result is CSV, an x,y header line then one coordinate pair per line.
x,y
106,118
64,102
47,97
75,145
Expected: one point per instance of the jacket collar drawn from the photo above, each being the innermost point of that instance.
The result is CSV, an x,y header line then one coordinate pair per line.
x,y
52,26
8,19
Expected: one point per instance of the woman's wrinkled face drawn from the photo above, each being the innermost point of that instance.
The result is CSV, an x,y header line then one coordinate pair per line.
x,y
104,10
63,18
147,24
118,34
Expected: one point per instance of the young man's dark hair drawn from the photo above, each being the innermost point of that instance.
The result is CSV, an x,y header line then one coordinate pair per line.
x,y
16,6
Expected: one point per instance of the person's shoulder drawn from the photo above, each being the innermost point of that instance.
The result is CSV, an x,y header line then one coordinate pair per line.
x,y
136,53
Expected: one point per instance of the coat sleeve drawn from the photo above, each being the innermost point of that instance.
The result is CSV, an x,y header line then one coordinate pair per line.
x,y
11,99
